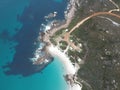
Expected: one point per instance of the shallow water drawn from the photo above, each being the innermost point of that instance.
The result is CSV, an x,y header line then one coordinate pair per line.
x,y
51,78
19,27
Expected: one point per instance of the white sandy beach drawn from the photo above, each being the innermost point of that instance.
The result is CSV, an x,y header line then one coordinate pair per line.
x,y
70,69
75,87
68,66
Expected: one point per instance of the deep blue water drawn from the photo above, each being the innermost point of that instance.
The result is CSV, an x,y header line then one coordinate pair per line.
x,y
19,27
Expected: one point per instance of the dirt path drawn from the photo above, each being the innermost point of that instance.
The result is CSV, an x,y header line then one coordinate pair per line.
x,y
93,15
67,35
117,7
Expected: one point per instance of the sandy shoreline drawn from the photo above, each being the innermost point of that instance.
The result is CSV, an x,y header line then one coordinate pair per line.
x,y
54,51
70,69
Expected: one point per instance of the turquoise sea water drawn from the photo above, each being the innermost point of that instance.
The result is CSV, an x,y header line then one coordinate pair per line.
x,y
19,27
59,1
51,78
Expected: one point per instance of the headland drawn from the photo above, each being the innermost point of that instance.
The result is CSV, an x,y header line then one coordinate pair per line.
x,y
74,46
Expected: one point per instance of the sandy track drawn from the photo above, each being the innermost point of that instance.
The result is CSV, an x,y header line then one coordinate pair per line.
x,y
67,35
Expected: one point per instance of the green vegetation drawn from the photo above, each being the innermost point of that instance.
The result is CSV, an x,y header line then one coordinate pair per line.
x,y
53,41
63,45
78,17
71,54
100,50
99,71
59,33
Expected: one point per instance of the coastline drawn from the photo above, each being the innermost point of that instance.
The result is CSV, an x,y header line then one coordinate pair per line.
x,y
69,15
54,51
70,69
